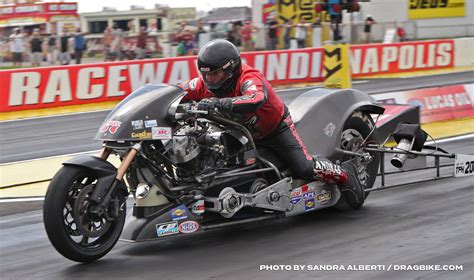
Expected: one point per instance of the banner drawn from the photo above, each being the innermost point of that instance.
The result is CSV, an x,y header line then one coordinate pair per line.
x,y
337,73
373,59
56,86
436,104
48,87
419,9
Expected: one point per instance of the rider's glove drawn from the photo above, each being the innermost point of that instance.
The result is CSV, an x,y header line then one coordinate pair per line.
x,y
209,104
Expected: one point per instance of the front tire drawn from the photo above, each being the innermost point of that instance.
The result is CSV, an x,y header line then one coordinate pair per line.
x,y
76,232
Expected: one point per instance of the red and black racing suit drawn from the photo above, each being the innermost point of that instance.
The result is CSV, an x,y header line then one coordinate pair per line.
x,y
256,105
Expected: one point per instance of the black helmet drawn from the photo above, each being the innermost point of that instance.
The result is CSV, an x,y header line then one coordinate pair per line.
x,y
219,64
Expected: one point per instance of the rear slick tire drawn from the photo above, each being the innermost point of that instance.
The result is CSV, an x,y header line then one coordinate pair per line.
x,y
80,236
356,128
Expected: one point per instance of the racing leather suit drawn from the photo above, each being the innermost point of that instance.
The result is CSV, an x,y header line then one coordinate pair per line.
x,y
255,104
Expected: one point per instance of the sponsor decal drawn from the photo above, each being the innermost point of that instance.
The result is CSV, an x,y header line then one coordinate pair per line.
x,y
309,204
250,161
327,166
193,84
205,69
111,126
150,123
141,135
188,227
463,165
167,229
179,213
161,133
296,192
138,124
308,195
295,200
304,188
252,87
198,207
324,196
329,129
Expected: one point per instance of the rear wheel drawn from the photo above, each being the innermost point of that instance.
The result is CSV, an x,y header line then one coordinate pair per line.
x,y
79,229
357,128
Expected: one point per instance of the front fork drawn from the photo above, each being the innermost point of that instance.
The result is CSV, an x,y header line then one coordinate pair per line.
x,y
104,200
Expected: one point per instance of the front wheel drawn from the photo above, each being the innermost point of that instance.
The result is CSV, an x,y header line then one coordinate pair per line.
x,y
79,229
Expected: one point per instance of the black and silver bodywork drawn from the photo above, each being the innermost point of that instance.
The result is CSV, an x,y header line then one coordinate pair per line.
x,y
190,171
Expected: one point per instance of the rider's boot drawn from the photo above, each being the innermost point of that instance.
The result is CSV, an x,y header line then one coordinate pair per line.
x,y
345,177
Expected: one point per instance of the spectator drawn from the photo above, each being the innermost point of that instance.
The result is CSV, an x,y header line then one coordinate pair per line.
x,y
52,49
369,21
17,47
186,40
233,35
300,33
36,49
272,33
200,30
79,45
116,48
246,35
141,43
402,35
287,33
64,56
106,41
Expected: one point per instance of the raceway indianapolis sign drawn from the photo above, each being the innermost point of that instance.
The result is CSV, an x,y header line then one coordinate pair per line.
x,y
48,87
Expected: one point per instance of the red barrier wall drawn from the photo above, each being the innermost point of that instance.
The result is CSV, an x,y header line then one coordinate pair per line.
x,y
48,87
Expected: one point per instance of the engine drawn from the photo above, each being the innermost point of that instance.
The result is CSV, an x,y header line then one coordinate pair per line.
x,y
204,147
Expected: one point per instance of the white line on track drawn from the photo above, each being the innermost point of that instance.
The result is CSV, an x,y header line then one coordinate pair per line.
x,y
25,199
58,115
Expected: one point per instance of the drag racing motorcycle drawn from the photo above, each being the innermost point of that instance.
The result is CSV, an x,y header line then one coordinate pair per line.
x,y
190,170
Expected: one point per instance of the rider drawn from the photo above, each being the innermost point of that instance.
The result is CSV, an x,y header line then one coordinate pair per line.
x,y
228,85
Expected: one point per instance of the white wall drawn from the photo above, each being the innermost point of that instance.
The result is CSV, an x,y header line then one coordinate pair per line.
x,y
464,54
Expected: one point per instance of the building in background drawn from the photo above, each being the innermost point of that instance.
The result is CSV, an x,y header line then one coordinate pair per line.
x,y
48,17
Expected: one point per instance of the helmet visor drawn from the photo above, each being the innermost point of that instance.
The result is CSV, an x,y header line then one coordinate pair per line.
x,y
215,79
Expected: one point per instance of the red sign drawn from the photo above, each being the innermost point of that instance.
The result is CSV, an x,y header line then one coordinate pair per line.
x,y
436,104
47,87
373,59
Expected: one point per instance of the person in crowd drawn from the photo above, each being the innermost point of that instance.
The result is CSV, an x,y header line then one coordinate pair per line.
x,y
301,31
106,41
246,35
17,47
402,35
116,45
233,34
52,49
369,21
79,45
200,30
272,33
64,55
287,33
36,46
185,39
140,48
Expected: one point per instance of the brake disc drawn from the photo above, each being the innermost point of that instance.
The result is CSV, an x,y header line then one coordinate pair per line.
x,y
90,224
